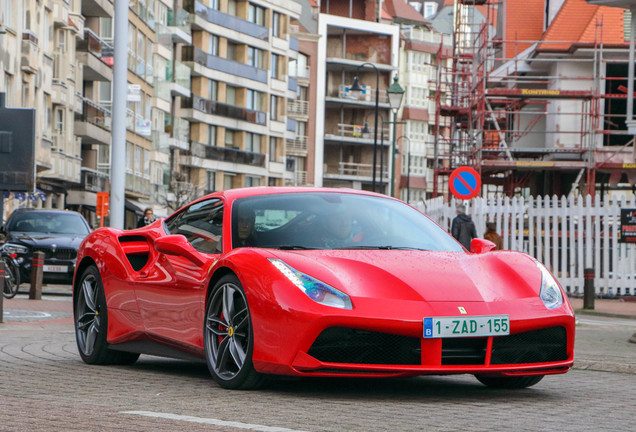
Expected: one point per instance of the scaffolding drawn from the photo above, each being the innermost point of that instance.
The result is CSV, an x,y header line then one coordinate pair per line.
x,y
501,109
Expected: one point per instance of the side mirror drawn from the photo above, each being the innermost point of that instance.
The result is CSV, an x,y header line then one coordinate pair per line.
x,y
177,245
478,246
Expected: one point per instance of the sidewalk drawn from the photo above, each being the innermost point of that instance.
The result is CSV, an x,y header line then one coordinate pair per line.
x,y
606,307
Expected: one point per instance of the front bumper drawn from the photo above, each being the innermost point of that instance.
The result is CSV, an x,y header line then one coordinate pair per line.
x,y
401,350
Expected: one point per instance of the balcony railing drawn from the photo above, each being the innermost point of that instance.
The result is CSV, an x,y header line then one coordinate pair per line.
x,y
138,124
299,178
297,145
96,46
355,131
298,107
227,155
95,114
218,108
354,169
225,20
147,14
138,183
93,181
221,64
366,95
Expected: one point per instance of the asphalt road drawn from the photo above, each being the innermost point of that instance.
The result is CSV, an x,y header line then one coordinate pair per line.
x,y
44,386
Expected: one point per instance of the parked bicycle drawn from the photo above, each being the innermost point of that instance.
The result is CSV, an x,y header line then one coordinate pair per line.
x,y
11,273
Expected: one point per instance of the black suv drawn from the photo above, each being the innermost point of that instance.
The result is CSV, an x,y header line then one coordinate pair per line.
x,y
57,233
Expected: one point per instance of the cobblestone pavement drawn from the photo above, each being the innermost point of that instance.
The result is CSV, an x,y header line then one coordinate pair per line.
x,y
44,386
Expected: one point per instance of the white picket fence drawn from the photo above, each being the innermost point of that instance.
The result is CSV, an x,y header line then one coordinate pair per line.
x,y
567,234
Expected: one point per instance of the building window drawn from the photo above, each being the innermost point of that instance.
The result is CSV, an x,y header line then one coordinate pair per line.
x,y
59,120
232,49
273,108
8,14
254,100
211,135
229,138
276,24
251,181
228,181
214,4
230,95
210,183
213,88
255,57
272,149
256,14
213,45
274,66
252,142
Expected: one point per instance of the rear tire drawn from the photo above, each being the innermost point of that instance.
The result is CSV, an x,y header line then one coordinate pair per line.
x,y
91,322
228,337
11,279
509,382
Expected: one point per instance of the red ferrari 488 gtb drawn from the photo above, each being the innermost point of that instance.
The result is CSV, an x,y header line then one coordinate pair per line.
x,y
317,282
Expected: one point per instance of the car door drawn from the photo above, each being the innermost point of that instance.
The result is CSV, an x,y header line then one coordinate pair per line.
x,y
171,295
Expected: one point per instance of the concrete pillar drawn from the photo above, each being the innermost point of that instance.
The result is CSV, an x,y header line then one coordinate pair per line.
x,y
49,201
60,202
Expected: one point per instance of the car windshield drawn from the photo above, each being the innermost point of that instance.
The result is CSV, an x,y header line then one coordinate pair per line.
x,y
332,220
48,223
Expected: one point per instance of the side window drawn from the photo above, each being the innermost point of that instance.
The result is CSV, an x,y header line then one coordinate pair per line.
x,y
201,224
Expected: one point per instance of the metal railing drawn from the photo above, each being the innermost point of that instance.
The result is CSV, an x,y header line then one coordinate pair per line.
x,y
355,169
95,114
226,20
221,64
366,95
222,109
298,107
296,145
226,154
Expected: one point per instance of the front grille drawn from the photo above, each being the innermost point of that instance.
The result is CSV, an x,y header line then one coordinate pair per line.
x,y
346,345
464,351
537,346
58,253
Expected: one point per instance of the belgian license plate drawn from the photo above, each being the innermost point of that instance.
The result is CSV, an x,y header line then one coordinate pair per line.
x,y
467,326
55,268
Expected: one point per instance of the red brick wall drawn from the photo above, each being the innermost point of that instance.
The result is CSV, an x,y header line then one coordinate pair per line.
x,y
374,48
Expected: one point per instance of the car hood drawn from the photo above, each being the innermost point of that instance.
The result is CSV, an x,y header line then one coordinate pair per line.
x,y
46,240
422,275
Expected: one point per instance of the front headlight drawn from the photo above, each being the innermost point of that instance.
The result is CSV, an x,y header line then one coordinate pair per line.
x,y
316,290
550,292
12,248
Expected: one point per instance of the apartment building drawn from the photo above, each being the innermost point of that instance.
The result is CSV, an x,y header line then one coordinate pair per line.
x,y
36,39
239,58
357,38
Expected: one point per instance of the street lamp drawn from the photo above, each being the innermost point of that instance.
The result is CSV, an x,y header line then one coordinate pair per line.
x,y
408,167
357,89
396,93
365,130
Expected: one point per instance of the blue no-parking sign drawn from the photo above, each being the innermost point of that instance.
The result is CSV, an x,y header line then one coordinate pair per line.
x,y
465,183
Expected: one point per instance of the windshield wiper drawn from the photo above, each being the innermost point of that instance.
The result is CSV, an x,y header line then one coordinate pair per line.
x,y
380,248
295,247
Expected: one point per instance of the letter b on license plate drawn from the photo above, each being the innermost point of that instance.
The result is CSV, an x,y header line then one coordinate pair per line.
x,y
467,326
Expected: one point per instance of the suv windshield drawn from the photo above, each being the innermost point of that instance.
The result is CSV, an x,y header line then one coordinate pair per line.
x,y
48,223
330,220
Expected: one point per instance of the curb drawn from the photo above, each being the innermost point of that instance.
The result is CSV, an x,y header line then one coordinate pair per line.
x,y
600,366
603,314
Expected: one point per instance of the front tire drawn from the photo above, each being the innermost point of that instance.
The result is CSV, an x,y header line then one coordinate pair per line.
x,y
91,322
11,279
228,337
509,382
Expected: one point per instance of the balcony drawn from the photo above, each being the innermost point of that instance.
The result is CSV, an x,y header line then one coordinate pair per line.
x,y
59,93
225,110
176,83
296,146
225,20
354,171
177,30
91,53
138,184
138,124
298,107
60,13
299,178
141,9
352,134
93,124
224,154
98,8
29,58
94,181
231,67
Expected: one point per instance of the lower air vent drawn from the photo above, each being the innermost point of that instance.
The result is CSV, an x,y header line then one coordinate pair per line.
x,y
537,346
464,351
345,345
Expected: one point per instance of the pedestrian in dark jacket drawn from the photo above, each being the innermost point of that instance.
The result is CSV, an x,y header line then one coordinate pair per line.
x,y
492,235
463,228
149,217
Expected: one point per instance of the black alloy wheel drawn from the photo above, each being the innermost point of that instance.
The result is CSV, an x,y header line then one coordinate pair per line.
x,y
91,322
228,338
